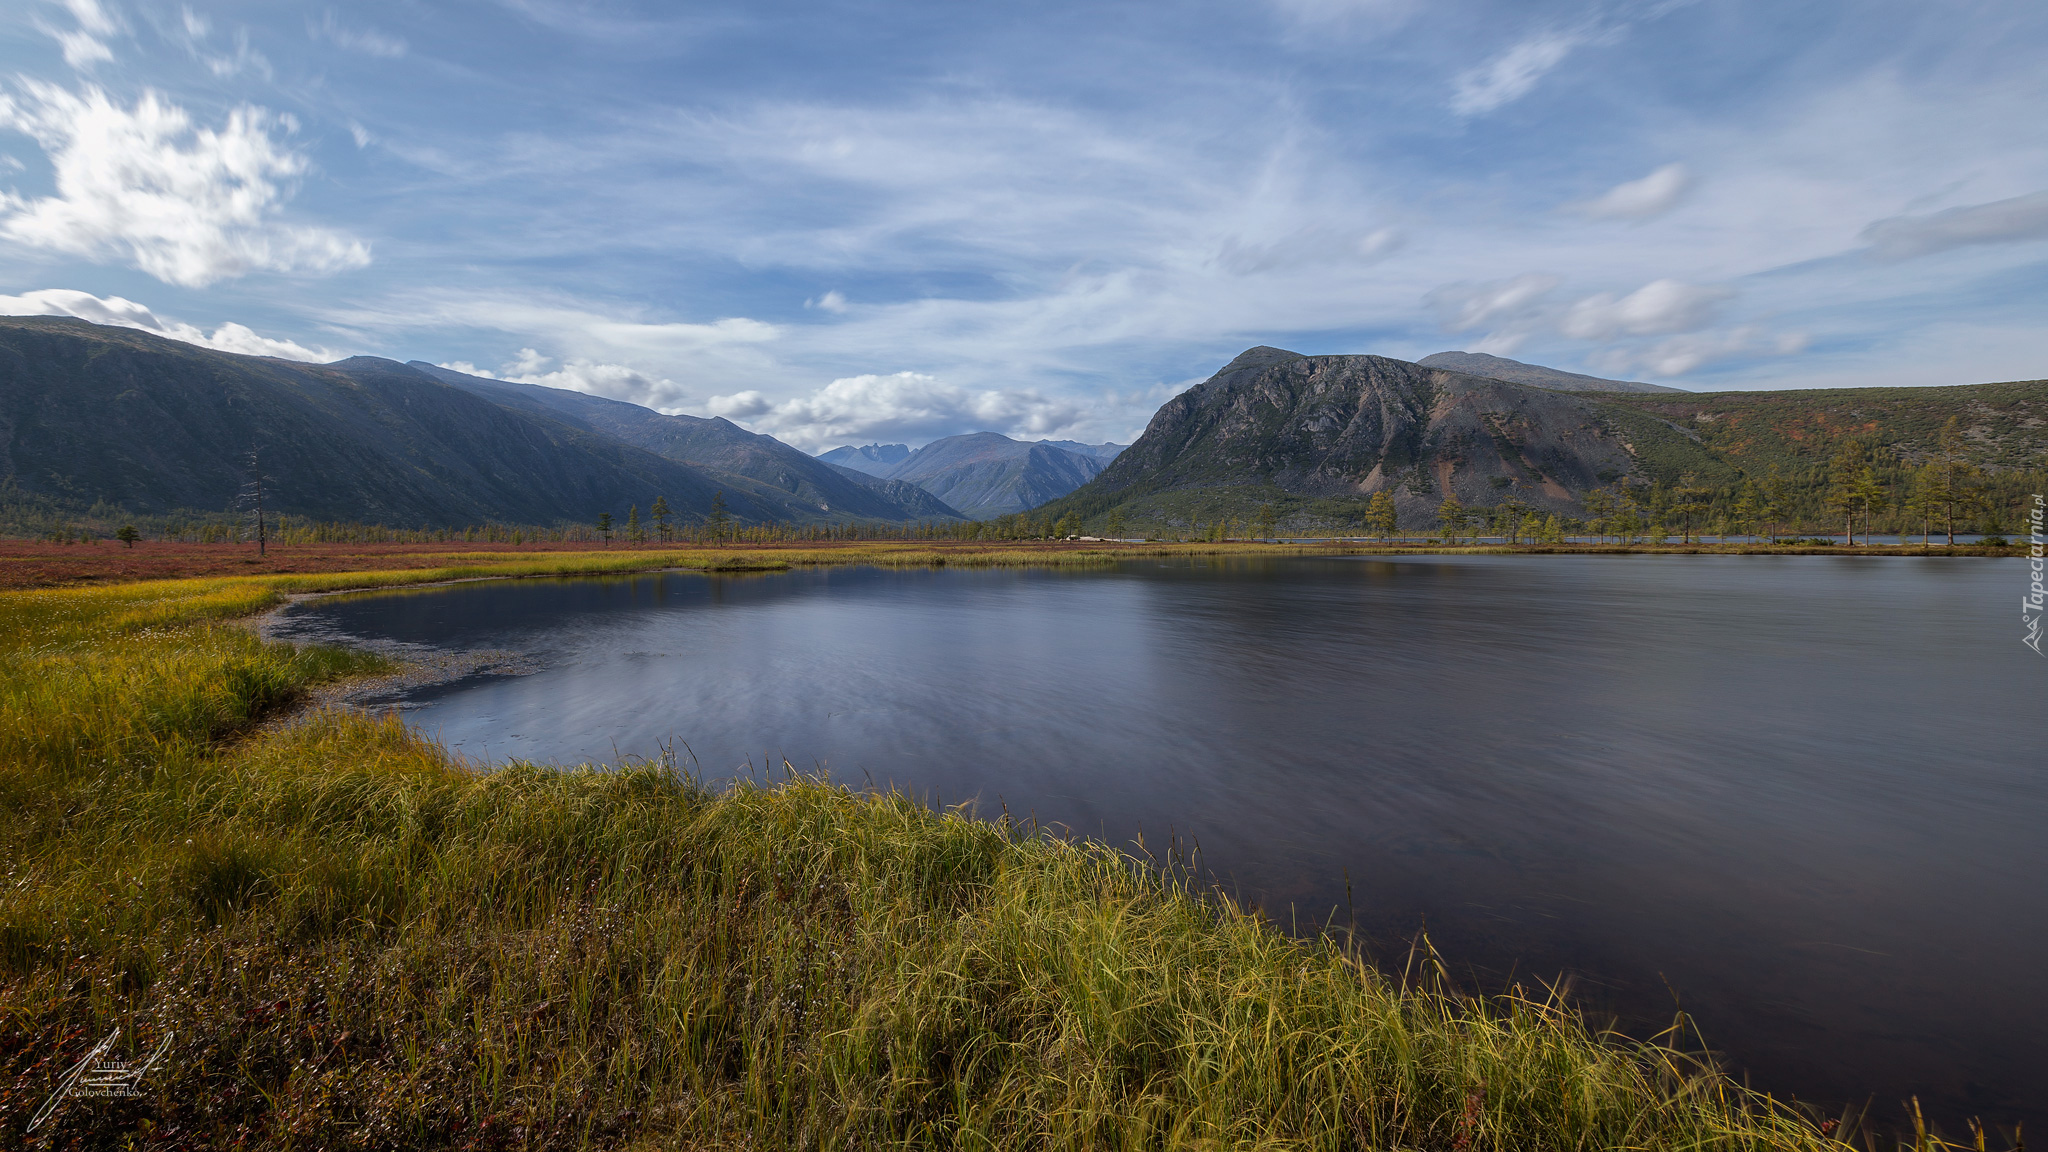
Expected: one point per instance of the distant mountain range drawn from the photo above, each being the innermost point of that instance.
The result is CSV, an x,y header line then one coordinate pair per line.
x,y
1516,372
94,415
983,474
91,413
873,460
1317,436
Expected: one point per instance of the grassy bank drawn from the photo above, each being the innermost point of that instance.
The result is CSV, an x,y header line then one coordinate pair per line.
x,y
351,941
25,564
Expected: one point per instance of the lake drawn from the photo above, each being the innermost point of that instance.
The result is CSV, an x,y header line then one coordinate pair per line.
x,y
1800,797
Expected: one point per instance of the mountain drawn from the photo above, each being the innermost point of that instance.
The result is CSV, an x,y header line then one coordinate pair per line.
x,y
94,413
873,460
1104,452
762,465
921,504
1317,436
986,474
1274,424
1516,372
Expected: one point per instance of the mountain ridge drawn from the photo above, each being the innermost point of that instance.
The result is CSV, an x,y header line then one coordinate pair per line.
x,y
1318,436
98,413
1535,375
713,443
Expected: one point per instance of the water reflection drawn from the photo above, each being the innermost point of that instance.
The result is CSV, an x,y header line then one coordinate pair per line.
x,y
1799,793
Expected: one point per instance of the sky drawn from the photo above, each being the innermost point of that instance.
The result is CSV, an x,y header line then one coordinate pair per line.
x,y
894,221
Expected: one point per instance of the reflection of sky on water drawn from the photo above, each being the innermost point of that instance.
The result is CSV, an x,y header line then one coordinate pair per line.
x,y
1800,789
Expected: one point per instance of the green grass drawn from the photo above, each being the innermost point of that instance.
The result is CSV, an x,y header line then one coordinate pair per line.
x,y
354,941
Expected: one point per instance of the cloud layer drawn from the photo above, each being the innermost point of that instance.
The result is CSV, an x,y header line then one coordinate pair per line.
x,y
2016,220
905,406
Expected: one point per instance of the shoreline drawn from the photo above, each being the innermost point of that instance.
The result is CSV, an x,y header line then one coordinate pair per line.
x,y
341,847
31,565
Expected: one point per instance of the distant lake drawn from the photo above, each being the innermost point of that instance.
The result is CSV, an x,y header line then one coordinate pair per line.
x,y
1801,795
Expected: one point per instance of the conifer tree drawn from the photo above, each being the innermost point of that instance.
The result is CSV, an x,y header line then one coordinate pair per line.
x,y
717,518
1451,515
604,527
1961,485
660,513
1381,516
1690,500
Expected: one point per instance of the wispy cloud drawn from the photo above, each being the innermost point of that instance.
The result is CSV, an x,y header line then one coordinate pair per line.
x,y
1513,74
1643,199
2012,221
85,44
143,184
1659,307
1677,355
368,41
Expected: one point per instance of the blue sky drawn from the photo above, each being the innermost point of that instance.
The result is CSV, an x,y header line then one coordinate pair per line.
x,y
896,221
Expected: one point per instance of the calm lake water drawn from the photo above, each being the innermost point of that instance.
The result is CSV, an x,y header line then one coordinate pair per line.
x,y
1802,797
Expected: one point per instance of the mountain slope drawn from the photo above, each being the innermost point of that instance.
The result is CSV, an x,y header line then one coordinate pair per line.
x,y
716,445
1274,424
921,504
1516,372
100,413
1316,436
986,474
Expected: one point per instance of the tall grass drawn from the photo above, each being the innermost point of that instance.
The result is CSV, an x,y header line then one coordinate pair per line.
x,y
354,941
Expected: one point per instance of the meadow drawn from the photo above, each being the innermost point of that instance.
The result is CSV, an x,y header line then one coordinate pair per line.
x,y
351,939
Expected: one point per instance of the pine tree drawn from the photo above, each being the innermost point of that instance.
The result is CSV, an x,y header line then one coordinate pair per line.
x,y
604,527
128,535
1114,526
1263,527
660,513
1690,500
1850,485
633,533
1451,515
1961,484
717,518
1599,505
1381,516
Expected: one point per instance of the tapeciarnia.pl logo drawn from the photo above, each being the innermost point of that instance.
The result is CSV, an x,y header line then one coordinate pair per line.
x,y
2031,606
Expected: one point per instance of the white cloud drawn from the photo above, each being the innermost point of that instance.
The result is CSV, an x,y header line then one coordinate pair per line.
x,y
115,310
1677,355
365,40
1653,195
1508,310
595,378
186,204
2018,219
833,301
905,406
1657,307
86,44
1513,74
